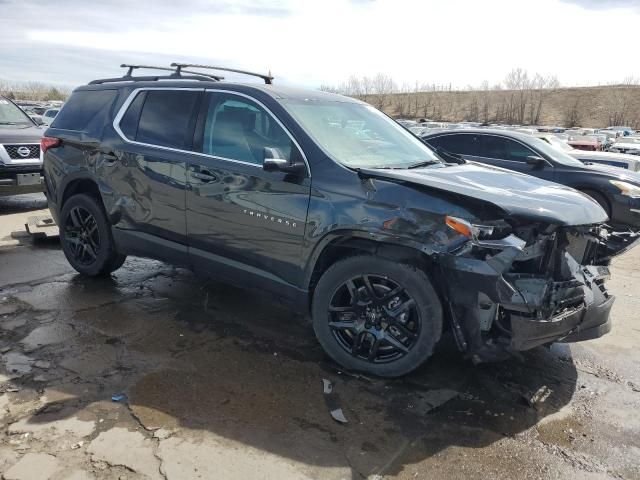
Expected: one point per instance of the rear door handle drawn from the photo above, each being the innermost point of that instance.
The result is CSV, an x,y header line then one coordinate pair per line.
x,y
205,177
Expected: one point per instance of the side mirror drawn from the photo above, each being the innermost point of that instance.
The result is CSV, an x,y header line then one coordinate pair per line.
x,y
535,161
275,161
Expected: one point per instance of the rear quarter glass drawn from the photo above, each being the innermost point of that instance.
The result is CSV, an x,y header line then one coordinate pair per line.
x,y
86,111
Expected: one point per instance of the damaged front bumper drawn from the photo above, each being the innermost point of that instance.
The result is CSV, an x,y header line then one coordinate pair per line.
x,y
529,293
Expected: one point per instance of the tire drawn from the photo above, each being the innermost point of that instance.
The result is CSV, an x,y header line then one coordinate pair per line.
x,y
406,310
86,237
601,199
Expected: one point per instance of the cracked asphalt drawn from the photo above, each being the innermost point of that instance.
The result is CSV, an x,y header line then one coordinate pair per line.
x,y
215,382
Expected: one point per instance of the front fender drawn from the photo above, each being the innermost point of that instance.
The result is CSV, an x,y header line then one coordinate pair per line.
x,y
371,241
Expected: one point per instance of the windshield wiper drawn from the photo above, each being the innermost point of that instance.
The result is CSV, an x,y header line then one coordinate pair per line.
x,y
422,164
453,157
9,123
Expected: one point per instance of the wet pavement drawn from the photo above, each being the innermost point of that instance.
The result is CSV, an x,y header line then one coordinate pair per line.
x,y
157,373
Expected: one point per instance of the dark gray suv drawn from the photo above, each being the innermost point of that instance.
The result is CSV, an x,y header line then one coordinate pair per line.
x,y
331,207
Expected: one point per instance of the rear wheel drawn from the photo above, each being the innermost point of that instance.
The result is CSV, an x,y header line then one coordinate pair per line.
x,y
377,316
86,237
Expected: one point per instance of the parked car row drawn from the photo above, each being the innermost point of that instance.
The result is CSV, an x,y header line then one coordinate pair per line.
x,y
615,139
42,113
325,203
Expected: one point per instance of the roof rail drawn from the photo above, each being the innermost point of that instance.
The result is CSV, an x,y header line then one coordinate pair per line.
x,y
176,75
268,79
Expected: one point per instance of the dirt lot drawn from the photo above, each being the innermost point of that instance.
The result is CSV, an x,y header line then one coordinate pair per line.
x,y
156,373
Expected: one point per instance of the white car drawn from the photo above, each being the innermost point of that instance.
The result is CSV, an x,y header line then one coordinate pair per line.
x,y
628,162
630,145
49,115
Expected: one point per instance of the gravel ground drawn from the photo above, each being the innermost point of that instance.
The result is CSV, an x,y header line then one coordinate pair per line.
x,y
156,373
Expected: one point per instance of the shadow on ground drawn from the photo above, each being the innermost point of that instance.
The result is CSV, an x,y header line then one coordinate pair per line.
x,y
207,358
22,203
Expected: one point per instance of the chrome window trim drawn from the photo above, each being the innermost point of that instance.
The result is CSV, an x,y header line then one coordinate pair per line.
x,y
125,106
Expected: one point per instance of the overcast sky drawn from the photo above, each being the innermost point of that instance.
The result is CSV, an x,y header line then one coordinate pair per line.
x,y
462,42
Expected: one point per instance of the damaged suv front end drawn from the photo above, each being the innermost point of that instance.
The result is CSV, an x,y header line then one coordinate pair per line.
x,y
531,273
539,284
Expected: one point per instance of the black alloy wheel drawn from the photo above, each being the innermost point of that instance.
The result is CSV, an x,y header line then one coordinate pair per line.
x,y
86,237
374,318
83,236
376,315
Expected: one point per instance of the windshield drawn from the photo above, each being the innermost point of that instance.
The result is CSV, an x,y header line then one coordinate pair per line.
x,y
12,115
559,144
555,153
358,135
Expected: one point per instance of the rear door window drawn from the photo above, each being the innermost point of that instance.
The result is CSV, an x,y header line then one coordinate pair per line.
x,y
504,149
462,144
493,147
167,118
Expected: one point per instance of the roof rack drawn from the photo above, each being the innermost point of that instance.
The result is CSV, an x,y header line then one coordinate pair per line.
x,y
268,79
177,74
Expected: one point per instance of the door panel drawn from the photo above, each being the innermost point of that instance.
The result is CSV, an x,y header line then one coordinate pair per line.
x,y
149,192
148,172
240,217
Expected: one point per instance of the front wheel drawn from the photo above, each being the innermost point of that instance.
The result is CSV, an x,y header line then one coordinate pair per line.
x,y
86,237
376,316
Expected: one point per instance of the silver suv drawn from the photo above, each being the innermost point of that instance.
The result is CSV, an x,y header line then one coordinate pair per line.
x,y
20,160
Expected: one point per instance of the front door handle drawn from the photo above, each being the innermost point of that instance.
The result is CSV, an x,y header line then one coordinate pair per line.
x,y
205,177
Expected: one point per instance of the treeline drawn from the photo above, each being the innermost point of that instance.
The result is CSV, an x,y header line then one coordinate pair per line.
x,y
521,98
38,91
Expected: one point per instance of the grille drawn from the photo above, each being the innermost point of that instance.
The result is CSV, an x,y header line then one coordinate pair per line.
x,y
14,151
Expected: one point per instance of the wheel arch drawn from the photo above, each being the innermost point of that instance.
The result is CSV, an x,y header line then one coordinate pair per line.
x,y
343,244
82,182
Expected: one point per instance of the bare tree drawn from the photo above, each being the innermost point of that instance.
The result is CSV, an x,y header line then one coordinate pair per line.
x,y
484,102
382,86
517,81
572,114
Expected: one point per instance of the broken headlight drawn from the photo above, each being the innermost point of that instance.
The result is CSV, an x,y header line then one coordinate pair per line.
x,y
493,230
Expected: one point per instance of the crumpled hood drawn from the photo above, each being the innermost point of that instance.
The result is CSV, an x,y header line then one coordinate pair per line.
x,y
519,195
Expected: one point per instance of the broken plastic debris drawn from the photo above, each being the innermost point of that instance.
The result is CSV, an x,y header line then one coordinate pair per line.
x,y
539,396
332,402
118,397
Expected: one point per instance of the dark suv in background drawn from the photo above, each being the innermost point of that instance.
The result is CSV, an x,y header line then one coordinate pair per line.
x,y
617,191
327,204
20,162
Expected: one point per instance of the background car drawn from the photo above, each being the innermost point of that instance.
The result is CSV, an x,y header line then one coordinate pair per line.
x,y
20,162
620,160
49,115
584,142
629,145
617,191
